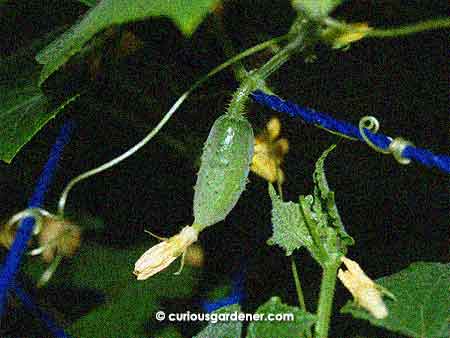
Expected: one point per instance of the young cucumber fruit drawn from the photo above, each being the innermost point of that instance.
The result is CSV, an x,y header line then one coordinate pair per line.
x,y
225,163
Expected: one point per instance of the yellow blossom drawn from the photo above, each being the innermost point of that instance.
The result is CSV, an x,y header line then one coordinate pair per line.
x,y
366,293
269,152
160,256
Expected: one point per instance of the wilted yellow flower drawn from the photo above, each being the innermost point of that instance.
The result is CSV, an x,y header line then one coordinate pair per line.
x,y
58,236
269,152
365,292
160,256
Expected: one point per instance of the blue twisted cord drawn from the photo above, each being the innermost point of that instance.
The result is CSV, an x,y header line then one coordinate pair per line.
x,y
25,230
423,156
34,309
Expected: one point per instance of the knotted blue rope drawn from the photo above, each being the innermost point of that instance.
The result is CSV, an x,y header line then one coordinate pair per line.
x,y
381,141
25,229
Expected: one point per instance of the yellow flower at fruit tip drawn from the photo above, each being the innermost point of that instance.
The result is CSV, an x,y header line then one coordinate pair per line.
x,y
365,292
160,256
269,152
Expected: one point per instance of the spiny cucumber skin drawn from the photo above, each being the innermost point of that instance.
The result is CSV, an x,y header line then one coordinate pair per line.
x,y
224,169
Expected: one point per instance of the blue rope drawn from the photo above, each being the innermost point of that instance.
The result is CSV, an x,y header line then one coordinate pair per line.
x,y
25,230
34,309
423,156
236,296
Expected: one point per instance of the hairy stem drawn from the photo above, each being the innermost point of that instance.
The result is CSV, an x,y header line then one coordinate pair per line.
x,y
326,295
256,78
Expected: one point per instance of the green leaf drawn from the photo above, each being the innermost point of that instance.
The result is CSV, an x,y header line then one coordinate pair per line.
x,y
289,228
187,15
422,301
222,328
24,109
313,223
316,8
129,304
295,327
23,112
324,199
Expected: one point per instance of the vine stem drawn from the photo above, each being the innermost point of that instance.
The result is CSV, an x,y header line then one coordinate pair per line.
x,y
255,79
298,288
326,295
410,29
396,31
279,58
298,285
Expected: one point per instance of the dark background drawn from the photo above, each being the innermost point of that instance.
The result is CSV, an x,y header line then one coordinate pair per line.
x,y
397,214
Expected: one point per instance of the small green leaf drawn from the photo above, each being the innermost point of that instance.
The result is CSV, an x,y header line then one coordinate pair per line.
x,y
222,328
316,8
324,199
320,180
422,301
287,327
186,14
313,223
289,228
